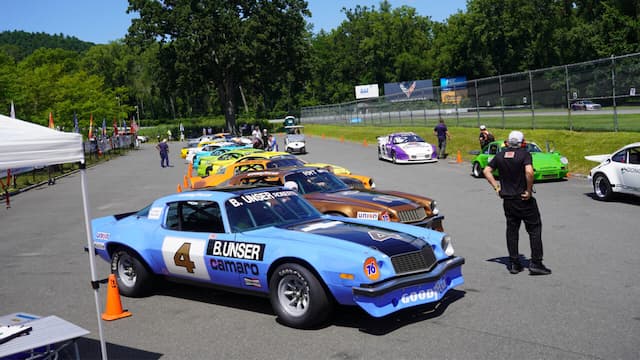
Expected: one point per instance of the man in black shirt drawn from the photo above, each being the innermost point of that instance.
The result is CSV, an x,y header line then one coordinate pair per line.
x,y
515,167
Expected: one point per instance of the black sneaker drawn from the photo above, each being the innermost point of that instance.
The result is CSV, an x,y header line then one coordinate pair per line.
x,y
514,266
538,268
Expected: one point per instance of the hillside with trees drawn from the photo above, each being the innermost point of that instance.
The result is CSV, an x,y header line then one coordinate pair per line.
x,y
260,59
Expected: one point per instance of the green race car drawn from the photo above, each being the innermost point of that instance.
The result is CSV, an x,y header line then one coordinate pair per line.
x,y
546,165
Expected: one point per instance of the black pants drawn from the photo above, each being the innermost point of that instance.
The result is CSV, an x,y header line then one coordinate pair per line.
x,y
517,211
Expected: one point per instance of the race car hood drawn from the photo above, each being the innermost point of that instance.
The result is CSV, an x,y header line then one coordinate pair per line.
x,y
415,147
387,241
363,197
543,160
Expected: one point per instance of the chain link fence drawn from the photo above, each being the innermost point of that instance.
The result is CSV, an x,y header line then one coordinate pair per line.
x,y
601,95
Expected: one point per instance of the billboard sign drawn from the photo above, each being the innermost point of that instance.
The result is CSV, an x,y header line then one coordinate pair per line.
x,y
367,91
409,90
455,83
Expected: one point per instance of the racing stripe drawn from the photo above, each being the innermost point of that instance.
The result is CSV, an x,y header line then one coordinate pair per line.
x,y
375,197
387,241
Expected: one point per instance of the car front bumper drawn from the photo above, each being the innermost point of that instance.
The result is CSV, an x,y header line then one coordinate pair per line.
x,y
548,174
386,297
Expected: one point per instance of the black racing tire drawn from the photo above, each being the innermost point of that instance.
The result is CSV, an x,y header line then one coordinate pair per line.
x,y
602,188
393,157
298,297
476,171
132,274
379,154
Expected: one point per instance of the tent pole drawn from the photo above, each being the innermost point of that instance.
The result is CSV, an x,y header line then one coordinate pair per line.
x,y
94,281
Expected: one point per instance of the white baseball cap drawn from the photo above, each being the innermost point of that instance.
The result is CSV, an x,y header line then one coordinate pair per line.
x,y
515,138
482,127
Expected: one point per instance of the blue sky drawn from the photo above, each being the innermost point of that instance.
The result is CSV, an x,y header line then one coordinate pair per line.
x,y
102,21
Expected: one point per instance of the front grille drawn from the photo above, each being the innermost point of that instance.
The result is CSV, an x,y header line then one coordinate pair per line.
x,y
420,260
413,215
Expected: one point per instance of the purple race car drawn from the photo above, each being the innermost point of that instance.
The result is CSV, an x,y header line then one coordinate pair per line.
x,y
406,147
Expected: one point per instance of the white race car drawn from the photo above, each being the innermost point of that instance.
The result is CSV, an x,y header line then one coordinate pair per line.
x,y
405,147
294,141
617,173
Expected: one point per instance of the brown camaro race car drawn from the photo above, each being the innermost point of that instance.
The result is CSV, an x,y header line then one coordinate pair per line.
x,y
330,195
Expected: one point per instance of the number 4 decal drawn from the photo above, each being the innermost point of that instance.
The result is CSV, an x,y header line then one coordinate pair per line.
x,y
181,258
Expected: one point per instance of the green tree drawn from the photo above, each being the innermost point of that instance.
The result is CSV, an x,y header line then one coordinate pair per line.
x,y
215,43
371,46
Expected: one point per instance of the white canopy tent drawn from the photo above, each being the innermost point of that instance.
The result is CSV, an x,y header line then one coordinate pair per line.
x,y
25,144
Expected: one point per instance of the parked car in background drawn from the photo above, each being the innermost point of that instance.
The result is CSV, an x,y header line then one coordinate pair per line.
x,y
406,147
617,173
294,141
271,242
142,138
546,165
330,195
585,105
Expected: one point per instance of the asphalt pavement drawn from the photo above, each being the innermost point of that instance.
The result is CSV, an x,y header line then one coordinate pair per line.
x,y
589,308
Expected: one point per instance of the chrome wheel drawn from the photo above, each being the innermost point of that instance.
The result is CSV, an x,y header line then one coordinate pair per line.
x,y
298,297
602,187
293,294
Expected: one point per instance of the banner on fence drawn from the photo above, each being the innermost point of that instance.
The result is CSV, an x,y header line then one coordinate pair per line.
x,y
409,90
367,91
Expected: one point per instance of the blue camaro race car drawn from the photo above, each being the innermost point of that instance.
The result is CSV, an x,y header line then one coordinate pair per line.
x,y
271,242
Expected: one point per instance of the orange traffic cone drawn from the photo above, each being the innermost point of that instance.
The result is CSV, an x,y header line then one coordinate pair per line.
x,y
113,309
190,170
323,135
364,143
459,158
341,138
185,182
179,188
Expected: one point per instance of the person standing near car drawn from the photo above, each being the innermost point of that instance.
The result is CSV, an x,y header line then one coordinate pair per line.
x,y
442,133
485,137
516,185
163,149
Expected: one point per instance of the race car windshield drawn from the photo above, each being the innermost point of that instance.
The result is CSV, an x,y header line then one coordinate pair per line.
x,y
531,147
268,208
312,181
407,138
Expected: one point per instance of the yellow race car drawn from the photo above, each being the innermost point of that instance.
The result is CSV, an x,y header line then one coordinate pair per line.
x,y
210,164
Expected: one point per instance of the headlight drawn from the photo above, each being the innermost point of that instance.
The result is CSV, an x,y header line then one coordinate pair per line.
x,y
434,207
447,247
564,160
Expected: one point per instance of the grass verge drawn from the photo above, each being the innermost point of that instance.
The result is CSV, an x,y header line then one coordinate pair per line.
x,y
572,144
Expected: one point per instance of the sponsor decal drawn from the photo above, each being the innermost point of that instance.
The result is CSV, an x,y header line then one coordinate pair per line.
x,y
103,236
98,245
258,197
509,155
234,266
371,270
212,236
236,250
154,213
385,216
422,295
378,235
367,215
252,282
630,170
